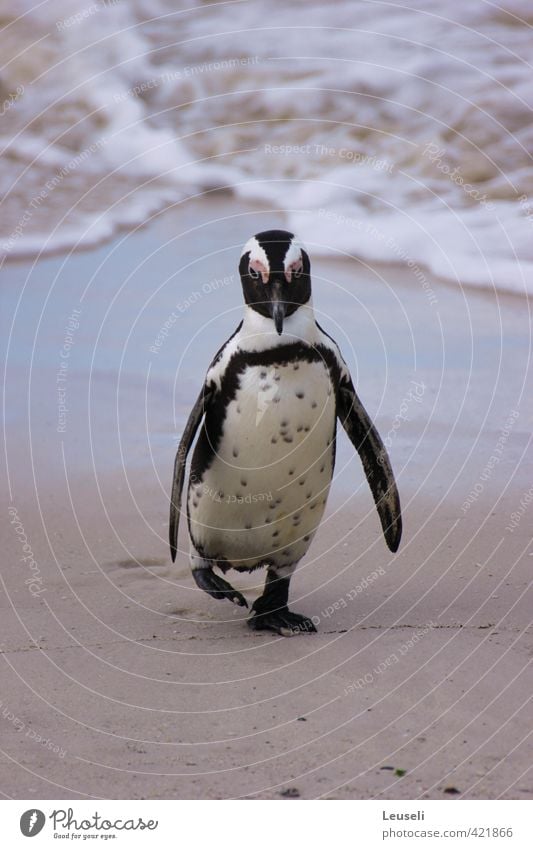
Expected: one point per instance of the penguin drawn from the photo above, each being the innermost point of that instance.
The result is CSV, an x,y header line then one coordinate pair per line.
x,y
263,462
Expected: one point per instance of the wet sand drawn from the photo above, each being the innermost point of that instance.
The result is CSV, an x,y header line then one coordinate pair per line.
x,y
122,680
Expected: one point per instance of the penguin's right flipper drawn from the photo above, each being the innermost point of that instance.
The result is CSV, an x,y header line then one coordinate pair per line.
x,y
186,441
367,441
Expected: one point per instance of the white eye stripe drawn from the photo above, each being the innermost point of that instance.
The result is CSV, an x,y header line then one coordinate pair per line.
x,y
255,250
294,252
257,261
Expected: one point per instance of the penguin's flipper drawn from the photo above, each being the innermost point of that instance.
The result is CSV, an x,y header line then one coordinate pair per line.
x,y
186,441
367,441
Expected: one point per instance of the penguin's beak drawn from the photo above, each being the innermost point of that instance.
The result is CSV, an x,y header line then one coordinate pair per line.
x,y
278,314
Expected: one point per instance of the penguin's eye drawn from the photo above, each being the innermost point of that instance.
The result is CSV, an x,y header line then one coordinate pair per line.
x,y
295,270
257,270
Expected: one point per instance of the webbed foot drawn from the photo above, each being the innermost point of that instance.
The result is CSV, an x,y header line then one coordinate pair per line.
x,y
282,621
217,587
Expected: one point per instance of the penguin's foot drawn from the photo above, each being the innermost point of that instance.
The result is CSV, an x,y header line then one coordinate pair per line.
x,y
282,621
217,587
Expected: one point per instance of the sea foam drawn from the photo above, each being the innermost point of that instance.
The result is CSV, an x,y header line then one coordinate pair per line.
x,y
374,130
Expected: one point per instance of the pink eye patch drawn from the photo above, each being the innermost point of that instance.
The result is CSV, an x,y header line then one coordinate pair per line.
x,y
295,268
259,268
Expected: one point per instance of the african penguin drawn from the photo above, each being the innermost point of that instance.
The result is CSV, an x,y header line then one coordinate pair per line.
x,y
263,462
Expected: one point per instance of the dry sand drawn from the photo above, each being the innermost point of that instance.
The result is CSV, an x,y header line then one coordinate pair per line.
x,y
121,680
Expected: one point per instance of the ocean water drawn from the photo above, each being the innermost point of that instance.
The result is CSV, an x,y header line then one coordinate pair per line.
x,y
392,132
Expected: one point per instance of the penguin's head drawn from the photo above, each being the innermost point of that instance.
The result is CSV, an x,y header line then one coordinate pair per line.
x,y
275,275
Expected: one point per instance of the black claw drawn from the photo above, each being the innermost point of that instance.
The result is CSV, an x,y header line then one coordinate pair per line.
x,y
282,621
217,587
239,599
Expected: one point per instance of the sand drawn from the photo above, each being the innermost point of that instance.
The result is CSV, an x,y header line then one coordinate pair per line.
x,y
121,680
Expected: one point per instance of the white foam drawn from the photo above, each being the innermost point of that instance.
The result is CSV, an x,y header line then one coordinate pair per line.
x,y
355,123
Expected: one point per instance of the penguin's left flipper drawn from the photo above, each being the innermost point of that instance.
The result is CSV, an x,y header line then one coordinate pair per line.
x,y
367,441
187,439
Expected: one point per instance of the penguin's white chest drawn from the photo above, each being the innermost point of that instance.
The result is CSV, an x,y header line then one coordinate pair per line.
x,y
263,495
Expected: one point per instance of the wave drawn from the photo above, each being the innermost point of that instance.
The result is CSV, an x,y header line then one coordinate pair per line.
x,y
389,133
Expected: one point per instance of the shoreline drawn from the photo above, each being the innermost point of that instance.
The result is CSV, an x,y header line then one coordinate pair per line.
x,y
211,197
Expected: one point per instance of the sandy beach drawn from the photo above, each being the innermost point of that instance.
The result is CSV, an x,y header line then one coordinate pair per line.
x,y
120,679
